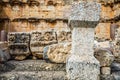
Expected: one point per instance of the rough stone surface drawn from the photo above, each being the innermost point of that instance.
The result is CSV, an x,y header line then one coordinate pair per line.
x,y
115,67
40,39
57,53
88,11
116,75
81,65
105,70
18,43
64,36
102,32
107,77
43,75
82,68
31,65
104,56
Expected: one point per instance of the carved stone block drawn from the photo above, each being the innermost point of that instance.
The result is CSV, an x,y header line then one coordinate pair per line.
x,y
64,36
40,39
19,45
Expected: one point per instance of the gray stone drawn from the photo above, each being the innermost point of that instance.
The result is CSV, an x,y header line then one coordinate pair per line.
x,y
82,65
116,75
43,75
115,67
82,68
104,56
31,65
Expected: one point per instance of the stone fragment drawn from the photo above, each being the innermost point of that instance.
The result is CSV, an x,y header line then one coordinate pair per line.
x,y
105,70
18,43
40,39
104,55
57,53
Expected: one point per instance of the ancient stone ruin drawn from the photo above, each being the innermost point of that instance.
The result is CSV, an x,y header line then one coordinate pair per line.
x,y
59,40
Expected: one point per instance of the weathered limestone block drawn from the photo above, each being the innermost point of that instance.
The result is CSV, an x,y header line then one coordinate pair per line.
x,y
64,36
16,11
82,65
104,55
107,12
105,70
57,53
40,39
102,31
19,45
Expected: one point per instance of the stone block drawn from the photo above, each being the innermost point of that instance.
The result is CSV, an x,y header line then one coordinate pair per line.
x,y
89,11
105,70
104,56
115,67
106,12
57,53
19,45
81,65
102,32
40,39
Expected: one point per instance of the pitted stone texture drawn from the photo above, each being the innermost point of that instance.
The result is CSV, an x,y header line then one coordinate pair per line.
x,y
83,40
85,11
102,32
82,68
57,53
43,75
104,56
31,65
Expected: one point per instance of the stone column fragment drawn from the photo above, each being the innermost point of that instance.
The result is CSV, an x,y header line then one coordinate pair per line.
x,y
82,65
